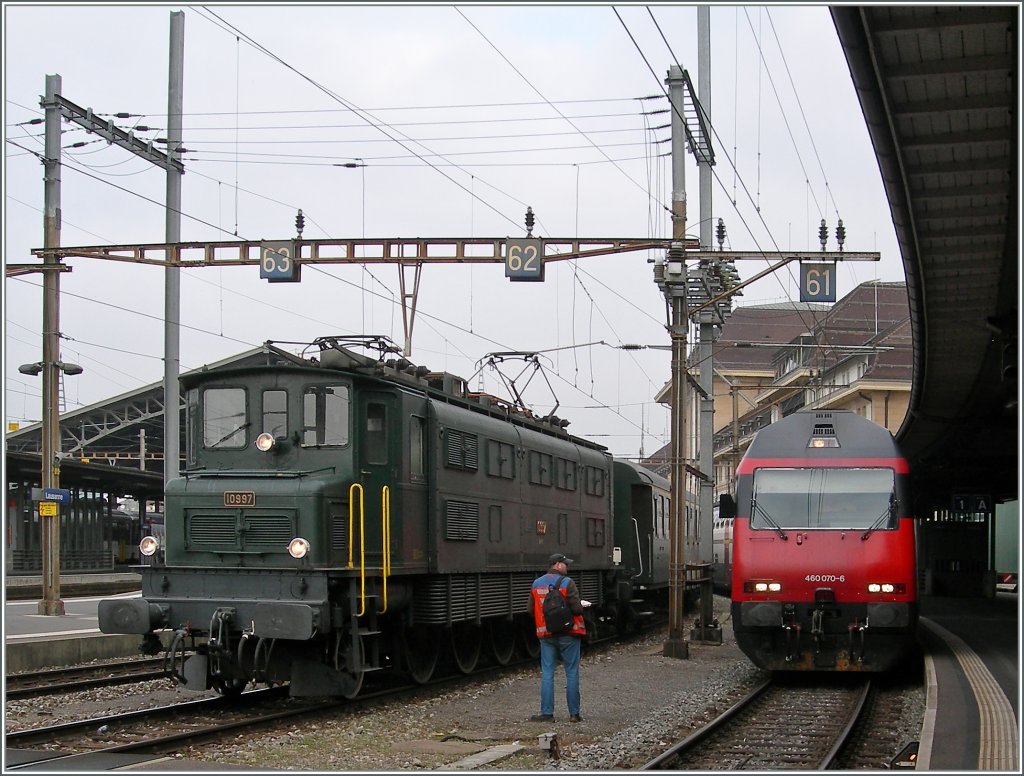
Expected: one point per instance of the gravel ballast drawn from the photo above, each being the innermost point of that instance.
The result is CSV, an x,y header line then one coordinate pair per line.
x,y
635,701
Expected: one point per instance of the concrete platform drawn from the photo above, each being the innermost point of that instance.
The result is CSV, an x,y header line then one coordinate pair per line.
x,y
32,642
26,587
36,655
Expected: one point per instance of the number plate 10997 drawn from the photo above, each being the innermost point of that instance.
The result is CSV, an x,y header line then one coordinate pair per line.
x,y
239,498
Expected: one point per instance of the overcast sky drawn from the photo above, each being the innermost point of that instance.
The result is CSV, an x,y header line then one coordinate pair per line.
x,y
463,116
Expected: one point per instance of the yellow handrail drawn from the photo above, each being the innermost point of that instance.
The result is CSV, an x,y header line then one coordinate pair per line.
x,y
385,531
362,542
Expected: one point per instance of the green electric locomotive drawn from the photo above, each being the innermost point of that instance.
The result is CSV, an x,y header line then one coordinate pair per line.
x,y
341,513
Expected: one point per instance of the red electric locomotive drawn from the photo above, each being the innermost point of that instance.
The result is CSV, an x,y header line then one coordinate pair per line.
x,y
824,562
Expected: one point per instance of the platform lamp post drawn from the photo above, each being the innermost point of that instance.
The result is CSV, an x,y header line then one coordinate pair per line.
x,y
51,603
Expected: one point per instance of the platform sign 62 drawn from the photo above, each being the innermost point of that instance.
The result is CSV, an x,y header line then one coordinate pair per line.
x,y
524,259
817,282
277,262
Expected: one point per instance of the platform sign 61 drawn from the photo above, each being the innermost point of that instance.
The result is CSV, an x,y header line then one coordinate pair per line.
x,y
817,282
524,259
277,262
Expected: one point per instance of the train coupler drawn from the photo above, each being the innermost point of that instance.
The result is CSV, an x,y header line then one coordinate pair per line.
x,y
817,625
218,645
174,657
150,645
792,642
856,633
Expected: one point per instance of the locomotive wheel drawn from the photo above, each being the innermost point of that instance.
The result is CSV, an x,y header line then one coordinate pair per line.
x,y
229,687
421,645
527,638
466,640
502,635
351,681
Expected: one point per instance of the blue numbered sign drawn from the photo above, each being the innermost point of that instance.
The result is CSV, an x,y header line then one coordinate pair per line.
x,y
817,282
277,262
523,259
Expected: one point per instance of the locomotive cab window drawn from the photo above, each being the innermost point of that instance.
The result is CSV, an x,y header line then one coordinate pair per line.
x,y
275,413
325,419
417,450
376,438
225,418
193,424
824,498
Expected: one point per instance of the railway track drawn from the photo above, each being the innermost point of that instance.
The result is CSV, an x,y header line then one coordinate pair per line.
x,y
797,724
169,729
70,679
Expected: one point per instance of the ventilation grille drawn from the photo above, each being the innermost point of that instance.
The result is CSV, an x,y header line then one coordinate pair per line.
x,y
339,533
213,531
462,521
231,531
461,450
456,598
271,531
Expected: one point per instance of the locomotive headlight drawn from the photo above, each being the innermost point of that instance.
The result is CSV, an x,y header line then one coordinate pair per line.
x,y
264,442
298,547
767,587
149,545
887,587
819,442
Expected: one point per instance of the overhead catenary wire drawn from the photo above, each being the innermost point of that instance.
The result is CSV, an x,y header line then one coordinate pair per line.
x,y
543,97
241,188
716,176
383,128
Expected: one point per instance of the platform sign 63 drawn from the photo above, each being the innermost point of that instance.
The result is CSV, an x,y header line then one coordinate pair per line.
x,y
277,261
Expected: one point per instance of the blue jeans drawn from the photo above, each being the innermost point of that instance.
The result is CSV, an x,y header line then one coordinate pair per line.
x,y
568,647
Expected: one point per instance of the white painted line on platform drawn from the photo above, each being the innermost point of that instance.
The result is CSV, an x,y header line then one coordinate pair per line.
x,y
24,636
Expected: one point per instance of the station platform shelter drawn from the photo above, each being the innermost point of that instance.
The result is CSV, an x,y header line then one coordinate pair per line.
x,y
96,533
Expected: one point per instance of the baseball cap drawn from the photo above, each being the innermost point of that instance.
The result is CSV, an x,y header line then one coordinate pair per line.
x,y
559,558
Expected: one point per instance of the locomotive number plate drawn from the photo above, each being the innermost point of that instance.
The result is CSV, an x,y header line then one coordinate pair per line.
x,y
239,498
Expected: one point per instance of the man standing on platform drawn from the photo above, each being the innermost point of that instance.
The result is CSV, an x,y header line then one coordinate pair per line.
x,y
554,645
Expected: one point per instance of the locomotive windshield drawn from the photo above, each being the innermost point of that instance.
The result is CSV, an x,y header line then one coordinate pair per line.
x,y
823,498
224,418
229,416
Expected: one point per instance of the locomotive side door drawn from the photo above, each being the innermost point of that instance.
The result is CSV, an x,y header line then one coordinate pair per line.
x,y
378,436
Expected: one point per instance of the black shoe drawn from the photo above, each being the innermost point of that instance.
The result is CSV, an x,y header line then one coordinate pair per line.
x,y
542,718
575,718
